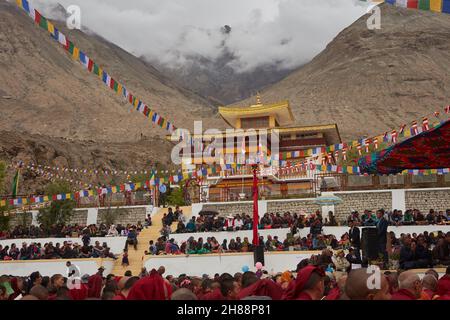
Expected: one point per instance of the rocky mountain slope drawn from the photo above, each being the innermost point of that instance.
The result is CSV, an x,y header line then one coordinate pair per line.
x,y
372,81
53,111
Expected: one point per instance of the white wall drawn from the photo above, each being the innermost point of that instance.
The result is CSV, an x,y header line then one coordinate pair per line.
x,y
51,267
197,265
117,244
281,233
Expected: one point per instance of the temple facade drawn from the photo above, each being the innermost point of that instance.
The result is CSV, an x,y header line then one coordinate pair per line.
x,y
258,134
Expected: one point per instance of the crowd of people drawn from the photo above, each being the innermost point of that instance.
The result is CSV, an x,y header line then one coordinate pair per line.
x,y
211,223
312,280
66,250
70,231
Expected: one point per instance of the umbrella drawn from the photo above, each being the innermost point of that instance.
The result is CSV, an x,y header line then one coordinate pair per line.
x,y
328,200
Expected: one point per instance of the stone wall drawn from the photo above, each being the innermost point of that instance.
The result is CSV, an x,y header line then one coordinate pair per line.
x,y
292,206
426,200
18,219
124,216
79,217
362,201
232,208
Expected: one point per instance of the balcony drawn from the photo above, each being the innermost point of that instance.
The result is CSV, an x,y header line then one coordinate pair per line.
x,y
295,143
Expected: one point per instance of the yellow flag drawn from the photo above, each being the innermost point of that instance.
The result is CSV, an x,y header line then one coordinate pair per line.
x,y
436,5
19,3
68,196
350,169
76,53
50,27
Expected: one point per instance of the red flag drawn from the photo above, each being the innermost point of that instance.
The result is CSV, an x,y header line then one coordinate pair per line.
x,y
359,149
425,124
375,142
255,208
447,109
344,154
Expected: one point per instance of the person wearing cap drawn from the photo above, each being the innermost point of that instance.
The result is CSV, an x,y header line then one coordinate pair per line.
x,y
340,262
309,285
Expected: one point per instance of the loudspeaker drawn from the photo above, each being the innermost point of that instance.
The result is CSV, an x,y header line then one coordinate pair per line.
x,y
258,254
369,243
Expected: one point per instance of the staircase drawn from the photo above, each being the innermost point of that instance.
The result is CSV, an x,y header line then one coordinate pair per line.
x,y
136,257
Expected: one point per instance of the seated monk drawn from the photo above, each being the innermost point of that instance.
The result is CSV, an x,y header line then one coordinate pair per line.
x,y
356,287
309,285
152,287
262,288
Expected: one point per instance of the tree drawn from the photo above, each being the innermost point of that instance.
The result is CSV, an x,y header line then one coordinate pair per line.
x,y
59,212
176,197
57,187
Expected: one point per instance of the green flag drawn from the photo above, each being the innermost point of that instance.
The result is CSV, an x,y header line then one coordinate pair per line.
x,y
15,186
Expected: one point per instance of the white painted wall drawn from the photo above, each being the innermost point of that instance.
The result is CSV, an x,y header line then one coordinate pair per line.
x,y
197,265
281,233
117,244
51,267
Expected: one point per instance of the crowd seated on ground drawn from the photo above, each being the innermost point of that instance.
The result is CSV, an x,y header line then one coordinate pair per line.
x,y
72,231
297,220
66,250
414,251
317,278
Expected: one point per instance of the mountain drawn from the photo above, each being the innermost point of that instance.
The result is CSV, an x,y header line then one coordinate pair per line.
x,y
51,94
372,81
218,82
53,111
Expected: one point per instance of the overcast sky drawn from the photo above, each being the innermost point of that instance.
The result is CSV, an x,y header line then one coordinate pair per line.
x,y
288,32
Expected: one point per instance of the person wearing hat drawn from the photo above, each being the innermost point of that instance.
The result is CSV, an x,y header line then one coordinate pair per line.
x,y
309,285
340,262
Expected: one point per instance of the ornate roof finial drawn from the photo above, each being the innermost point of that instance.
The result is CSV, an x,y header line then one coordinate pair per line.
x,y
258,99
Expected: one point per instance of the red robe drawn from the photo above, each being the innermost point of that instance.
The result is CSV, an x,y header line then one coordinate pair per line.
x,y
403,294
215,295
264,287
152,287
120,296
79,294
334,294
294,291
95,284
443,286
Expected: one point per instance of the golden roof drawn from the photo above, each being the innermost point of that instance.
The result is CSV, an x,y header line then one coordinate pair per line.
x,y
281,111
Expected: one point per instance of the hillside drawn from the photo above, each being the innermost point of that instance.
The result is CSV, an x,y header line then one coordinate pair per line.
x,y
372,81
53,95
53,112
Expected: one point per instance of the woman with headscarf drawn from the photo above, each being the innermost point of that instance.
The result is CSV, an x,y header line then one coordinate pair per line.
x,y
152,287
112,232
309,285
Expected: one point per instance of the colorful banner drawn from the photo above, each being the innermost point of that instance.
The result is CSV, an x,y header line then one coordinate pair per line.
x,y
426,5
93,67
391,137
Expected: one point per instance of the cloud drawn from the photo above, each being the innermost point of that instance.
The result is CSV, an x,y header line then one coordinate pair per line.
x,y
287,33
